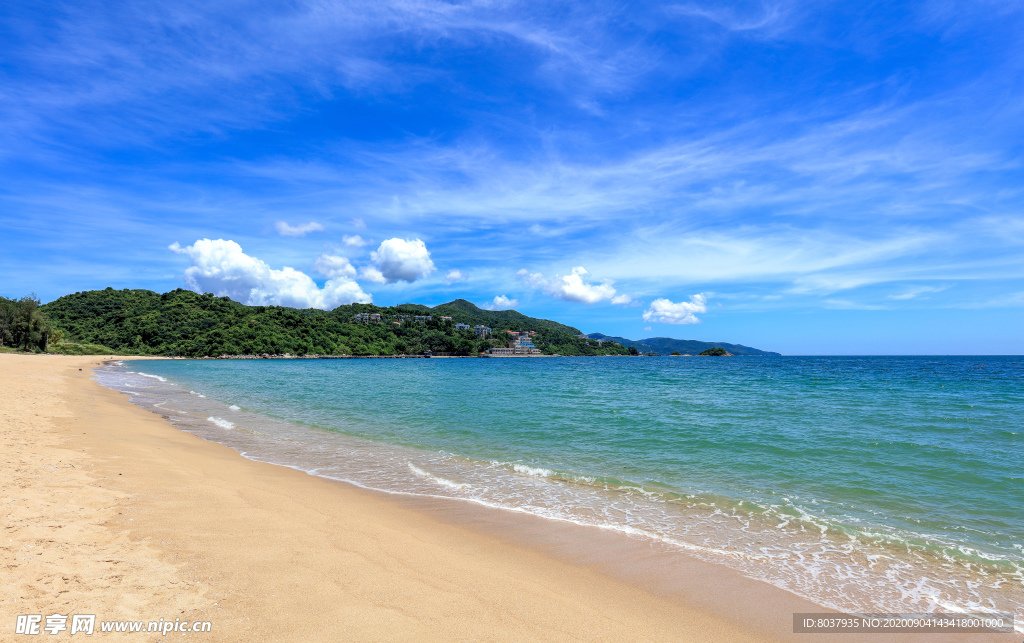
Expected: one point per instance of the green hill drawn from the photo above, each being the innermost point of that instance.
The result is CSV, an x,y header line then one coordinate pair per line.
x,y
467,313
189,324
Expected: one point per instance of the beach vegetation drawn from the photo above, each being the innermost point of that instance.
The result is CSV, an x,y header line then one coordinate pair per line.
x,y
70,348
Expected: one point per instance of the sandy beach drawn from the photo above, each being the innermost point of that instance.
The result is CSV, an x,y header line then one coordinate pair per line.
x,y
109,510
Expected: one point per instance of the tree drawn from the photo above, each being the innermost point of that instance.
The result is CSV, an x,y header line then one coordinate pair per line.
x,y
31,329
676,353
633,350
8,316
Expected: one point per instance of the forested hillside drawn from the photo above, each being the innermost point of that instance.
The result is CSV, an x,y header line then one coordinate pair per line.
x,y
185,323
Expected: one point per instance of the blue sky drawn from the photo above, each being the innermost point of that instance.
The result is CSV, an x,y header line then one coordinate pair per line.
x,y
806,177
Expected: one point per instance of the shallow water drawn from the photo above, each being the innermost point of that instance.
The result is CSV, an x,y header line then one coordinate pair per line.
x,y
869,484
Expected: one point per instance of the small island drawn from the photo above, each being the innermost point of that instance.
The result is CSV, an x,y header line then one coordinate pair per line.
x,y
715,351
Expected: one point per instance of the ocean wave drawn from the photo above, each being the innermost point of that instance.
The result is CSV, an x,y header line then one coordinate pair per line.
x,y
533,471
441,481
221,422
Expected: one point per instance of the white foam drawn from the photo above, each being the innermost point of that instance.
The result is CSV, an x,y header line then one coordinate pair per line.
x,y
533,471
441,481
156,377
235,408
221,422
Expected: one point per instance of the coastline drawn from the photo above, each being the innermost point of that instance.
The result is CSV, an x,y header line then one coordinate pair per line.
x,y
147,522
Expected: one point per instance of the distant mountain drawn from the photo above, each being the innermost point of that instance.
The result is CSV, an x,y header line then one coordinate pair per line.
x,y
666,345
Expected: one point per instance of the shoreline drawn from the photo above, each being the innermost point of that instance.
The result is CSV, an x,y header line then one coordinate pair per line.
x,y
256,547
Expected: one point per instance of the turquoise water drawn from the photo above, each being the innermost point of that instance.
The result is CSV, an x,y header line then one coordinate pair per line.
x,y
878,484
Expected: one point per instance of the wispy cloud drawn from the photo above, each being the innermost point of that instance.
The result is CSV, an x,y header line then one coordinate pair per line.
x,y
298,230
915,292
767,17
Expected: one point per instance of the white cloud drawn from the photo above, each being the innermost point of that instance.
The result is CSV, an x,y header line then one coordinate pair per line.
x,y
684,312
572,287
221,267
622,300
370,273
300,230
358,224
846,304
770,18
402,260
354,241
915,292
333,266
501,302
815,263
454,275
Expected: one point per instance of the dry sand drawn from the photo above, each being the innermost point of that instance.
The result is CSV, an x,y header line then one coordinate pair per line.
x,y
109,510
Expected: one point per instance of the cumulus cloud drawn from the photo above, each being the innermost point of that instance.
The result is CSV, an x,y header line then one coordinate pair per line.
x,y
300,230
370,273
684,312
221,267
354,241
501,302
334,266
575,286
622,300
401,260
454,275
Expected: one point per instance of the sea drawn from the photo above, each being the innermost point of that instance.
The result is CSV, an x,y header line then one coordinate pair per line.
x,y
865,484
